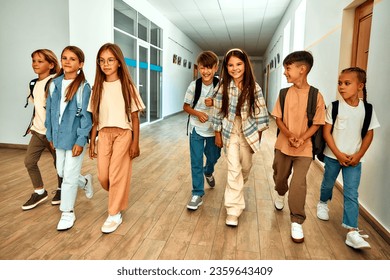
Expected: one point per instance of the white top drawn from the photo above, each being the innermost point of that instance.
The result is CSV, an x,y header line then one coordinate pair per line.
x,y
63,104
204,129
39,101
348,127
112,111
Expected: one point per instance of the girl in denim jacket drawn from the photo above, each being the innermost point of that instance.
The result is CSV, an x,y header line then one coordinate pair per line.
x,y
68,125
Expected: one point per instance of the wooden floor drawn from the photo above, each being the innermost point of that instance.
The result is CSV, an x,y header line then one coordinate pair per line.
x,y
157,224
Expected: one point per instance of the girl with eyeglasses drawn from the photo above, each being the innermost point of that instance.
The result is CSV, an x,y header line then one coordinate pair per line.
x,y
115,104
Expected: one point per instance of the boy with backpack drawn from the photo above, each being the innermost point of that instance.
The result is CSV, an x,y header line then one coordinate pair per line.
x,y
45,65
293,147
198,103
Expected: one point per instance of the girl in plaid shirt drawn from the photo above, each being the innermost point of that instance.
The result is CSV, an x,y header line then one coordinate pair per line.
x,y
240,116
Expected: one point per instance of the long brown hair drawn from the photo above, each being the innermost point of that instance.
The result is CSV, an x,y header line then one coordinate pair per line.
x,y
248,82
73,87
128,87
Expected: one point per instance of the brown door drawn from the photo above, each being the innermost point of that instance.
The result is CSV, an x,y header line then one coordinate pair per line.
x,y
361,36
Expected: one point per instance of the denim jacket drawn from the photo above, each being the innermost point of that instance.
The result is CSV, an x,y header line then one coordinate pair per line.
x,y
74,127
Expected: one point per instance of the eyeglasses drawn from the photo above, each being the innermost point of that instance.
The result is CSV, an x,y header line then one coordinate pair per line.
x,y
110,61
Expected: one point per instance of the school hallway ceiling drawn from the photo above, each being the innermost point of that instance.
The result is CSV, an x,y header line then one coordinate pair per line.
x,y
219,25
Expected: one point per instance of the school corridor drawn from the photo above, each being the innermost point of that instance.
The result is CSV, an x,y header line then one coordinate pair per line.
x,y
158,226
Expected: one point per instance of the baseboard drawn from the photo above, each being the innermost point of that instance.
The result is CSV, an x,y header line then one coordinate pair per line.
x,y
383,232
14,146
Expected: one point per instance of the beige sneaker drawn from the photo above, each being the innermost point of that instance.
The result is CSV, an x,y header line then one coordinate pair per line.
x,y
232,220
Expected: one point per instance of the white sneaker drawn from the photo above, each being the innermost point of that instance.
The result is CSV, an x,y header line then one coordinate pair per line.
x,y
112,223
67,221
356,241
323,211
231,220
88,186
297,233
279,202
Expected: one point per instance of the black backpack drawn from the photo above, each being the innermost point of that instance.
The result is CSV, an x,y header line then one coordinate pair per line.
x,y
366,122
317,139
32,85
198,90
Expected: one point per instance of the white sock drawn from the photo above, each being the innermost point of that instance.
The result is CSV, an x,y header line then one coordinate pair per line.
x,y
40,191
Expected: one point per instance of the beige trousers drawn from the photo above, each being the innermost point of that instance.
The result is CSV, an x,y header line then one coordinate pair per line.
x,y
114,166
239,159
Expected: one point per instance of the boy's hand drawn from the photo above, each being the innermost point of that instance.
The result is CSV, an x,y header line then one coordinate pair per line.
x,y
203,117
343,159
209,102
354,159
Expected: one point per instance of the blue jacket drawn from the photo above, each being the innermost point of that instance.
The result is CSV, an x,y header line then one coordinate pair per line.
x,y
74,128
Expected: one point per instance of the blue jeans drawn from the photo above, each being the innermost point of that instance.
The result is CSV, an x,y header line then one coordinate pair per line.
x,y
351,181
200,145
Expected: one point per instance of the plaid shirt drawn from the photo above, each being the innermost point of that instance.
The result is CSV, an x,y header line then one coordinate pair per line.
x,y
251,125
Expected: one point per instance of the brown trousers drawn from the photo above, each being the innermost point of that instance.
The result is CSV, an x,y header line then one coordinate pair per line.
x,y
115,166
38,143
283,165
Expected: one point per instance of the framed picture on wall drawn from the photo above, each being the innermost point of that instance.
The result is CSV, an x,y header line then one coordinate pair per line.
x,y
189,64
179,60
174,58
185,63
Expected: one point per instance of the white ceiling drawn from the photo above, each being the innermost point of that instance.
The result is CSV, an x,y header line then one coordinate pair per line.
x,y
219,25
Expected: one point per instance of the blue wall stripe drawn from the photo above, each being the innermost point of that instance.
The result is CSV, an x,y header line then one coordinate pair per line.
x,y
143,65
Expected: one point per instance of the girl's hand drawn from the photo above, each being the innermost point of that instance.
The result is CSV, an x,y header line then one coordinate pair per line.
x,y
134,151
92,153
209,102
218,140
77,150
203,117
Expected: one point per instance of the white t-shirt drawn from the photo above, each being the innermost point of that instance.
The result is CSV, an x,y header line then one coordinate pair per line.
x,y
39,101
348,127
204,129
63,104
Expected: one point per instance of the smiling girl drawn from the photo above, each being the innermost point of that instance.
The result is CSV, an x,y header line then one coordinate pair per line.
x,y
68,125
115,104
240,116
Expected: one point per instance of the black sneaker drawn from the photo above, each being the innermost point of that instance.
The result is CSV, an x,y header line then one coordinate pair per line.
x,y
210,180
57,197
34,200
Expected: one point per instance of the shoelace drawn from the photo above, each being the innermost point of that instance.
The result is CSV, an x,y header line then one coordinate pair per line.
x,y
194,198
362,235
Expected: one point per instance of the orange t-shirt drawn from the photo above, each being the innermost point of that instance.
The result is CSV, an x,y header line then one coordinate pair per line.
x,y
295,119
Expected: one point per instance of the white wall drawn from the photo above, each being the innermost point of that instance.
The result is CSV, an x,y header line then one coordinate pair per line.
x,y
25,27
375,191
328,37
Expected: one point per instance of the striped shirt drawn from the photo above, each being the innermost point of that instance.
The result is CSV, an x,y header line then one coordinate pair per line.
x,y
251,125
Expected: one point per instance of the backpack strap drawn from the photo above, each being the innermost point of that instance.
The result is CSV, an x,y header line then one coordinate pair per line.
x,y
367,118
311,105
335,111
32,85
282,98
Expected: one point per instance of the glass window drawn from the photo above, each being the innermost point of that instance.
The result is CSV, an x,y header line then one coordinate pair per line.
x,y
125,17
155,84
143,27
128,46
156,35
